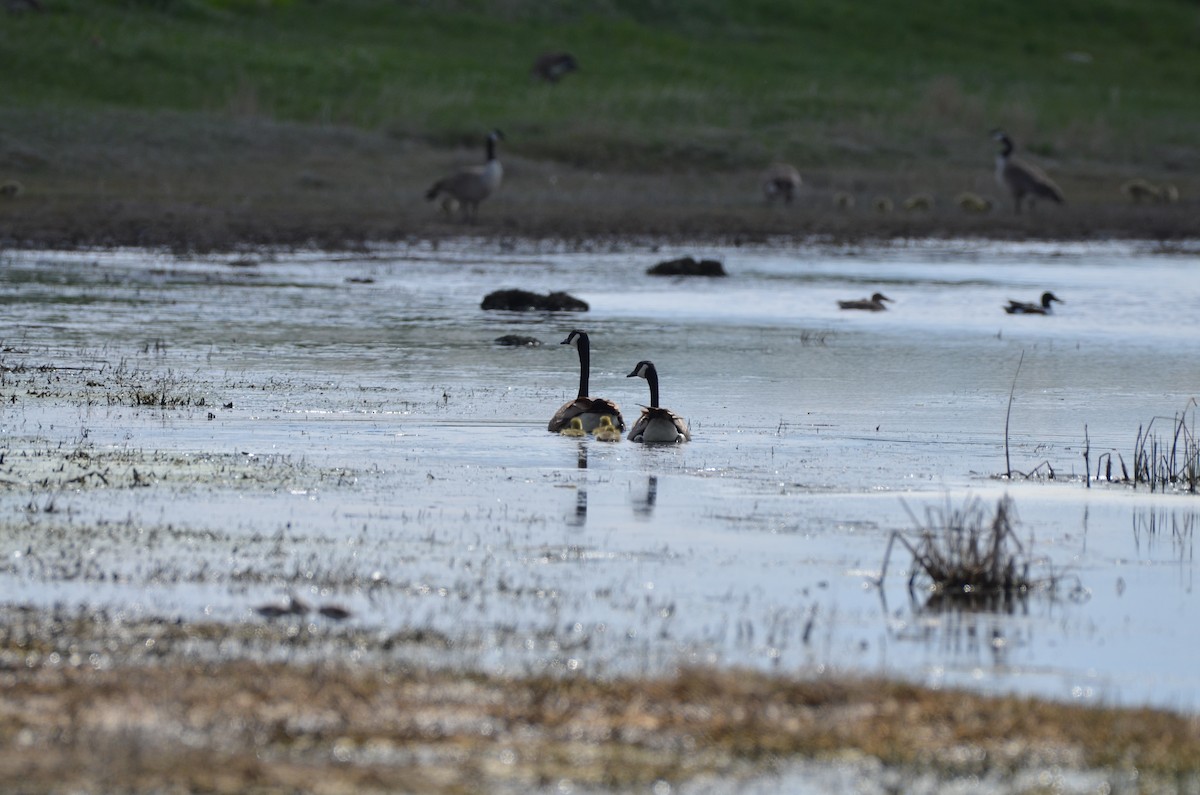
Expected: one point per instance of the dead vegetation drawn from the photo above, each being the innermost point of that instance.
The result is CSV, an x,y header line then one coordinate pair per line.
x,y
89,704
961,557
1169,461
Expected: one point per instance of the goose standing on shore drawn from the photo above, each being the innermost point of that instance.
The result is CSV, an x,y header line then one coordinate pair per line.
x,y
781,181
1026,308
587,409
872,304
1022,178
474,184
656,424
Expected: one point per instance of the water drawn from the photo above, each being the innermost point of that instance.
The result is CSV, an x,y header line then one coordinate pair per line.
x,y
341,426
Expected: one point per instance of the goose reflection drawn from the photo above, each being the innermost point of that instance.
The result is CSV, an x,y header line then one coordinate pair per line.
x,y
580,517
643,506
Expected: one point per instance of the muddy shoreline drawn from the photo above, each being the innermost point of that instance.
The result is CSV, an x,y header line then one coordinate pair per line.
x,y
188,228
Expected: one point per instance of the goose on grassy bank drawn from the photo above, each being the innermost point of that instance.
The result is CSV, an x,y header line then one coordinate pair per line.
x,y
1022,178
467,188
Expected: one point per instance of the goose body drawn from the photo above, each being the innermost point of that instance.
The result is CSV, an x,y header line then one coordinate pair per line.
x,y
552,66
1021,178
587,409
656,425
872,304
467,188
781,181
1026,308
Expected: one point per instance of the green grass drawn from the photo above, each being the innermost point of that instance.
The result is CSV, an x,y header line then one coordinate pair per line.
x,y
665,85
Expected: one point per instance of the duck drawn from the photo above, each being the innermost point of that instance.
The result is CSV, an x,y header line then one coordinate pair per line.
x,y
575,428
656,424
1022,178
1023,308
589,410
781,181
872,304
606,431
467,188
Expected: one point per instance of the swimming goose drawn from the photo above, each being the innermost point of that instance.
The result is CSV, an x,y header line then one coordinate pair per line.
x,y
781,181
606,431
589,410
471,185
656,424
1021,178
1023,308
872,304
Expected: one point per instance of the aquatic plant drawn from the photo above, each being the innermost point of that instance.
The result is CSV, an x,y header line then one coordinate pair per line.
x,y
1159,461
962,557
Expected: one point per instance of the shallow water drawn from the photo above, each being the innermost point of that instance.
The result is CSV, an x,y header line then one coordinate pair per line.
x,y
342,427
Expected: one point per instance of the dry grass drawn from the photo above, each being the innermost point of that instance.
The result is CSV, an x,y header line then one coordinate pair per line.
x,y
963,558
89,705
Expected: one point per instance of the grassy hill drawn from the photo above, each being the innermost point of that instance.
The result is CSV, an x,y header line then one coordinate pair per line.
x,y
853,93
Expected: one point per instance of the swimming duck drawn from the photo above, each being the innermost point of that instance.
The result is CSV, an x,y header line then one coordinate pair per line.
x,y
872,304
606,431
1022,308
575,428
589,410
656,424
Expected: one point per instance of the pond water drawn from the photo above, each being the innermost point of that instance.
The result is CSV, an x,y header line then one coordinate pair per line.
x,y
193,437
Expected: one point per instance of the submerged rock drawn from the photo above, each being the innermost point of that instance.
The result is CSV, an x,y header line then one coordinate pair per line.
x,y
688,266
524,301
517,341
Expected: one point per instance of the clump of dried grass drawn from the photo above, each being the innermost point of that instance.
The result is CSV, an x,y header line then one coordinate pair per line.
x,y
963,557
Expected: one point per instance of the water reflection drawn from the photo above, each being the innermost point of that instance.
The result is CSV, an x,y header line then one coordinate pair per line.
x,y
643,505
579,519
1154,528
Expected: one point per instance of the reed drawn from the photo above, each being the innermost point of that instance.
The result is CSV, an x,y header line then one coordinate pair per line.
x,y
1161,461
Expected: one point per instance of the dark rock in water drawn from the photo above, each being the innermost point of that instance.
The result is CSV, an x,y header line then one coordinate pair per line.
x,y
524,301
688,266
517,341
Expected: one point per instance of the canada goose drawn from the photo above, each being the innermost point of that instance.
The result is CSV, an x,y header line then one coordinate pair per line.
x,y
551,66
973,202
588,410
471,185
1022,178
1022,308
606,431
780,181
574,429
843,201
882,204
872,304
656,424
